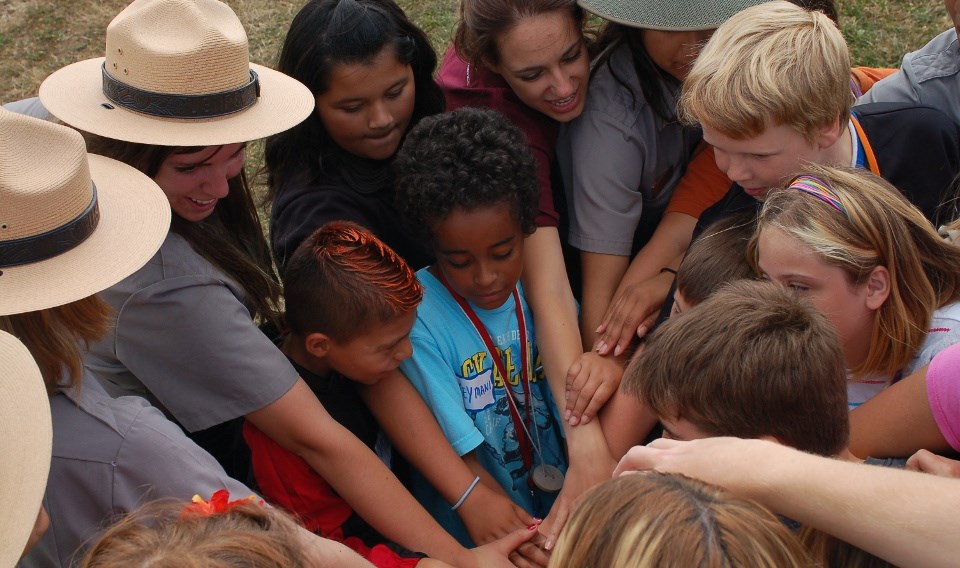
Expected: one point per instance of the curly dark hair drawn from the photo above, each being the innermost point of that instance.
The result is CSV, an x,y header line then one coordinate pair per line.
x,y
467,159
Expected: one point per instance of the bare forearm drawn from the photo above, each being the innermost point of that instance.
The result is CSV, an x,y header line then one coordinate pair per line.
x,y
299,423
602,275
664,249
414,432
906,518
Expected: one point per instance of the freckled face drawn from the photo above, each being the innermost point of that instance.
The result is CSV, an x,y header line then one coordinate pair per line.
x,y
481,254
544,60
194,182
762,162
368,106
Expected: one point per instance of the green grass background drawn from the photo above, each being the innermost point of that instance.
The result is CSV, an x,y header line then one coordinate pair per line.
x,y
37,36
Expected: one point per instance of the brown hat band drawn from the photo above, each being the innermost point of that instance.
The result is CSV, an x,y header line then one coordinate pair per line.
x,y
35,248
181,106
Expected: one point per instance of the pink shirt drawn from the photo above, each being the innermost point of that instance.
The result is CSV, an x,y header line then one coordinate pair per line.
x,y
943,393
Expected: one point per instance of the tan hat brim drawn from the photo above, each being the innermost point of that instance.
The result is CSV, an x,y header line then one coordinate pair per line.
x,y
26,440
74,94
134,220
667,15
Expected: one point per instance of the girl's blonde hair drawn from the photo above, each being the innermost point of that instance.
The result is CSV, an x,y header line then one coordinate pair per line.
x,y
163,535
876,227
670,520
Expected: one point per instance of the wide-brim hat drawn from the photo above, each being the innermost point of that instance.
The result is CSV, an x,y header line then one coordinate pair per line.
x,y
71,223
176,73
668,15
26,440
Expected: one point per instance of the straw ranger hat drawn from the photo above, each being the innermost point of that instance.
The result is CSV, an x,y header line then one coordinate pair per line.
x,y
176,73
668,15
71,223
26,438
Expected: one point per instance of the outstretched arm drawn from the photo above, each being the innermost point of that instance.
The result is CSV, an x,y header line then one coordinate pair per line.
x,y
558,338
487,514
300,424
903,517
896,422
643,288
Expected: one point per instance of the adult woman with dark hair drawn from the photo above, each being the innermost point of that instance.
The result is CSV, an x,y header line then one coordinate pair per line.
x,y
183,333
371,72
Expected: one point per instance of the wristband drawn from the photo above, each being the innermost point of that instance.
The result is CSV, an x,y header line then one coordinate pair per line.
x,y
466,493
668,269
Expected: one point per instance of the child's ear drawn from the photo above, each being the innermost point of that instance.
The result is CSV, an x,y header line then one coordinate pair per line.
x,y
829,133
317,344
878,287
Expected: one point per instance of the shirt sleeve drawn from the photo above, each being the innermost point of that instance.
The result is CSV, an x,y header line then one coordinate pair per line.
x,y
193,345
437,383
606,170
701,186
156,460
943,393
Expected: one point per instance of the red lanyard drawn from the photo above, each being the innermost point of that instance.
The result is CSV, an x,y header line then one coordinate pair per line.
x,y
523,438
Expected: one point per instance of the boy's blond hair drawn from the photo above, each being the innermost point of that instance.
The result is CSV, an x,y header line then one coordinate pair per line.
x,y
770,65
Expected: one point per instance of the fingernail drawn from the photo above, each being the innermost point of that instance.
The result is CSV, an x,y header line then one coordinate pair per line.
x,y
537,520
532,527
599,328
602,346
572,420
617,351
566,415
548,545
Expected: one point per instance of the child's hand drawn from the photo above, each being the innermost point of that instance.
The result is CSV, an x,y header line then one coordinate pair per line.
x,y
531,554
928,462
585,471
632,314
495,554
489,515
591,381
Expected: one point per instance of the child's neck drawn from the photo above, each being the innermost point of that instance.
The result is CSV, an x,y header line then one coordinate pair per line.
x,y
293,347
840,153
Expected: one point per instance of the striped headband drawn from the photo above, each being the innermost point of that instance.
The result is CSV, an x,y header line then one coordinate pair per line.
x,y
819,189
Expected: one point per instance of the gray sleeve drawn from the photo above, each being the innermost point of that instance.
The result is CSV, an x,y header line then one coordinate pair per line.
x,y
895,88
929,76
156,460
606,170
193,345
29,107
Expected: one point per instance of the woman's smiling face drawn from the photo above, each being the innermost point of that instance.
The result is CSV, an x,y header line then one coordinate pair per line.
x,y
544,60
194,181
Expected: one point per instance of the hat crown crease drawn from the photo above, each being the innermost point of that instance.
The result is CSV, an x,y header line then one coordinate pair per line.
x,y
178,47
34,200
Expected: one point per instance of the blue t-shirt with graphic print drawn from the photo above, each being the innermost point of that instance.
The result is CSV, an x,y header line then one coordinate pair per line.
x,y
453,371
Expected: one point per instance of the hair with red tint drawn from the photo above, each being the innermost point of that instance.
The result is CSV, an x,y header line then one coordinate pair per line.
x,y
343,279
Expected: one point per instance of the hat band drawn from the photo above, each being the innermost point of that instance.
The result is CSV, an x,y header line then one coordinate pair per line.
x,y
168,105
35,248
